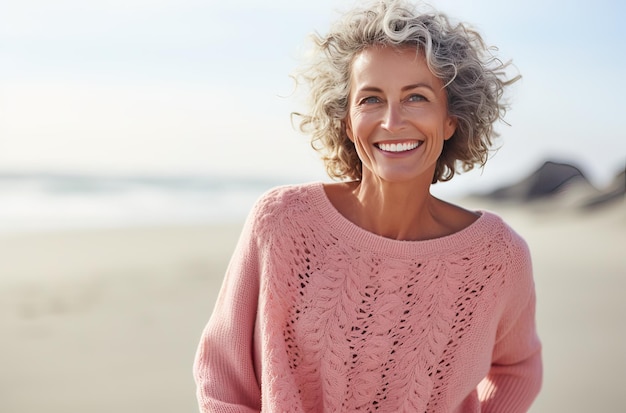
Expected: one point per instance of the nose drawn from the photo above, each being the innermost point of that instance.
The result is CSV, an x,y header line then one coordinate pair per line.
x,y
393,119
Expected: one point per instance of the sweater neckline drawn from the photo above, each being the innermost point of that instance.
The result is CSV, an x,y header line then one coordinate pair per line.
x,y
349,232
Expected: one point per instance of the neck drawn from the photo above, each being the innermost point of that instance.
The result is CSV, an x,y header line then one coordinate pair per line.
x,y
403,211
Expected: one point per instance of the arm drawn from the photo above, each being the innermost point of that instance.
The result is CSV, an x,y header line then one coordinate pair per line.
x,y
224,364
515,377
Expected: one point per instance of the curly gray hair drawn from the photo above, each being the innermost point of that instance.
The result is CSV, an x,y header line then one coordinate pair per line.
x,y
473,77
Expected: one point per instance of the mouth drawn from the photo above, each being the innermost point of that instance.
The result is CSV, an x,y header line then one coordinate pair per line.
x,y
398,147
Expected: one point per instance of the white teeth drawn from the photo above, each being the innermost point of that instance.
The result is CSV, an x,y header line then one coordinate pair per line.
x,y
398,147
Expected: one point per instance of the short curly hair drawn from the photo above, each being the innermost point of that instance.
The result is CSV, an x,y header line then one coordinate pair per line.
x,y
474,80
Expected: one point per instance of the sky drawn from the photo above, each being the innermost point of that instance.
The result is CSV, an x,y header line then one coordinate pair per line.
x,y
202,87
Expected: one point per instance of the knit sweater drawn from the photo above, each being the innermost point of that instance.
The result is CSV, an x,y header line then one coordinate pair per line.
x,y
316,314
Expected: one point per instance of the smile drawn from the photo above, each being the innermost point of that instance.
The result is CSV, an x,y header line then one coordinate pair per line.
x,y
398,147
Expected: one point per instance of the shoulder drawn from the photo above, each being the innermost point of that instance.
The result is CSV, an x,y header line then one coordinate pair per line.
x,y
284,197
505,234
285,202
490,240
513,254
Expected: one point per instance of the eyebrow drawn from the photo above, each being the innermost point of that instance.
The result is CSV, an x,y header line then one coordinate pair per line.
x,y
404,88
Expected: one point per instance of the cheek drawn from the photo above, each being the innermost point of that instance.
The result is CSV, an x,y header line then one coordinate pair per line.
x,y
357,126
357,133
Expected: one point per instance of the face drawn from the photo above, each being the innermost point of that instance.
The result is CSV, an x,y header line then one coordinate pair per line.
x,y
398,117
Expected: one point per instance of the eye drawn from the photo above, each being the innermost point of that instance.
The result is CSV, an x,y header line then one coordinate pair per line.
x,y
416,98
369,100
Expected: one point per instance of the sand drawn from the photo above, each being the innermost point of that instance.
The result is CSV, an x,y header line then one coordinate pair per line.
x,y
108,320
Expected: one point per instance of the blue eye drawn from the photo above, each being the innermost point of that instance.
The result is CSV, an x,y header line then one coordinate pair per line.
x,y
416,98
369,100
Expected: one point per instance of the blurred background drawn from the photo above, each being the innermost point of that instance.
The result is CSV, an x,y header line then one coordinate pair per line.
x,y
135,135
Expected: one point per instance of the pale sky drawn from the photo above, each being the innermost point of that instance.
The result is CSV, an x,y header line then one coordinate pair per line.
x,y
190,86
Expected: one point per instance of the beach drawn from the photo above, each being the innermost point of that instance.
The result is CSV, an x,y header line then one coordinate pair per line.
x,y
107,320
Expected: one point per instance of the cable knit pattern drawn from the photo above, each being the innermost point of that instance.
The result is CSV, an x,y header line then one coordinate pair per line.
x,y
319,315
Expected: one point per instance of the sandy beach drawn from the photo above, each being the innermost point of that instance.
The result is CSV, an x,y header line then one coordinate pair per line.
x,y
108,320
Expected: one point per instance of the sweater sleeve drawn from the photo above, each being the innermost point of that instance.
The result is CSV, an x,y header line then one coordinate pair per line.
x,y
515,377
224,368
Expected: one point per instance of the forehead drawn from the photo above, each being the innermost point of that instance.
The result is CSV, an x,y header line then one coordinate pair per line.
x,y
391,65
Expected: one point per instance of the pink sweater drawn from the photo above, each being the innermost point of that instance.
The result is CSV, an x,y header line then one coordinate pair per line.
x,y
318,315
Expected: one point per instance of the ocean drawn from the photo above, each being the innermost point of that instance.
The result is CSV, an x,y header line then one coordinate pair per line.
x,y
57,201
45,201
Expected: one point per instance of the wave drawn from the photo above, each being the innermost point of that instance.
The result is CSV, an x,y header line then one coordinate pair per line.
x,y
46,201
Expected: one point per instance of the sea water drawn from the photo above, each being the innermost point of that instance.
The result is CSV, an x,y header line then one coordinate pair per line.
x,y
53,201
40,202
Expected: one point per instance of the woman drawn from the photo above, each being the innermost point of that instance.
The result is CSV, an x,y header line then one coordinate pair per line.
x,y
371,294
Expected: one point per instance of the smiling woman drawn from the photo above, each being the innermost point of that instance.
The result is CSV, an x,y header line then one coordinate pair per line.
x,y
394,89
455,56
372,294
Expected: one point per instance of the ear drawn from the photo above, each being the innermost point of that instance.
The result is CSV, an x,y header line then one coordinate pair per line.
x,y
450,126
348,126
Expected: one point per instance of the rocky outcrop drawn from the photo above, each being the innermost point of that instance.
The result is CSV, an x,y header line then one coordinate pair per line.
x,y
550,179
560,183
